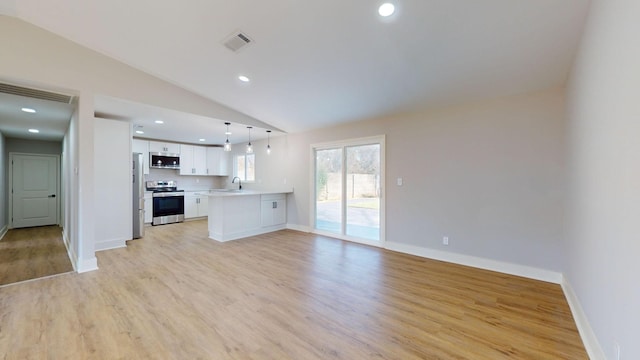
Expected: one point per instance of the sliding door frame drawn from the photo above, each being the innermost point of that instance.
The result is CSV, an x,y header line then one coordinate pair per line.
x,y
343,144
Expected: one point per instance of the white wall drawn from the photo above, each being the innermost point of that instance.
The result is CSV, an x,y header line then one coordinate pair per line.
x,y
271,170
113,184
69,184
488,175
33,146
603,208
4,201
187,182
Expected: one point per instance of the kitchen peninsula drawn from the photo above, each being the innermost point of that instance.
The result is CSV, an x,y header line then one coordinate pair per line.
x,y
235,214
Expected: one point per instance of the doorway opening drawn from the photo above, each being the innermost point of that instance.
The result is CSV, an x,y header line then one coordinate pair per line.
x,y
33,247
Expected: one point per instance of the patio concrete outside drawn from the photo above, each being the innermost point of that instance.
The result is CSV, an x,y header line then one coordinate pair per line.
x,y
363,217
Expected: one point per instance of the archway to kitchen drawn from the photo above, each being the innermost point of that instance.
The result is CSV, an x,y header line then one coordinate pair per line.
x,y
348,191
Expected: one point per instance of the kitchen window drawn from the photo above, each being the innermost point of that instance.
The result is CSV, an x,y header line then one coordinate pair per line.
x,y
245,167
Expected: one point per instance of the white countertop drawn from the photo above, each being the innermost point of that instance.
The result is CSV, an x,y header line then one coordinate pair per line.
x,y
225,192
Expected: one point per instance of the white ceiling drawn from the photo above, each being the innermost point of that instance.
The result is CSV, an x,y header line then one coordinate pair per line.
x,y
176,126
51,118
318,63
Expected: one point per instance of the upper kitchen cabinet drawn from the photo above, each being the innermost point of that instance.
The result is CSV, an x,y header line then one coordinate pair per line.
x,y
217,161
142,146
193,160
164,147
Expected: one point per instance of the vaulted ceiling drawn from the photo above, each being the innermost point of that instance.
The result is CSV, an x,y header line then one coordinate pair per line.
x,y
318,63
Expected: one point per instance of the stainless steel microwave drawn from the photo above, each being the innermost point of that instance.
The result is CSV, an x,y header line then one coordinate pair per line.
x,y
164,160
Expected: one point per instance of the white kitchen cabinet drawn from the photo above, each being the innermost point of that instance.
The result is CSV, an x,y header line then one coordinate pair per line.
x,y
273,210
148,207
203,205
193,160
142,146
190,206
237,215
217,161
196,204
186,160
166,147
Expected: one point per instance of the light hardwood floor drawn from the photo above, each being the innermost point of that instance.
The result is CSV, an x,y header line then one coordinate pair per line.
x,y
287,295
32,253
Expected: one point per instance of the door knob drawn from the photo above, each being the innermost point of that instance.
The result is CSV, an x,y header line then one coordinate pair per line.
x,y
52,195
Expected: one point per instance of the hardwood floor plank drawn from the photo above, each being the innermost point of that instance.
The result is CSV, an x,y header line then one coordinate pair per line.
x,y
32,253
288,295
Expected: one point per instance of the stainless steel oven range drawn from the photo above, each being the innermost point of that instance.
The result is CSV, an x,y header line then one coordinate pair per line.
x,y
168,202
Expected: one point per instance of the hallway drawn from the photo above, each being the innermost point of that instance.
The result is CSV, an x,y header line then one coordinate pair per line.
x,y
31,253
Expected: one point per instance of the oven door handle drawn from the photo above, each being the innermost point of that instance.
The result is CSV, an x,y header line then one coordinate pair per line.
x,y
167,195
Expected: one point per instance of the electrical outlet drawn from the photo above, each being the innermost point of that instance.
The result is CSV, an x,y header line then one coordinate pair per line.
x,y
445,241
399,181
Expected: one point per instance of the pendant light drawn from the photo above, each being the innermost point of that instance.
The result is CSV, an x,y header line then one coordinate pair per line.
x,y
249,146
227,144
268,143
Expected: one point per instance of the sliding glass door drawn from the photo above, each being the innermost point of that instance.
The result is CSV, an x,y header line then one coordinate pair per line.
x,y
329,190
362,191
348,189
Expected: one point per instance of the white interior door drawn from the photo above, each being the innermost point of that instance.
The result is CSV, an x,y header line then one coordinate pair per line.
x,y
34,190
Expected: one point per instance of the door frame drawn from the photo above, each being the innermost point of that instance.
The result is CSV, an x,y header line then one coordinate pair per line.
x,y
10,188
378,139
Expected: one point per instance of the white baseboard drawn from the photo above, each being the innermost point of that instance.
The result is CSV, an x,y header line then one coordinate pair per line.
x,y
111,244
591,344
3,231
79,265
478,262
86,265
70,252
300,228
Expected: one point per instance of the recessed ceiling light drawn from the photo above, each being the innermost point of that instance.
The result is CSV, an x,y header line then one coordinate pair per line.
x,y
28,110
159,122
202,140
35,131
243,78
386,9
139,132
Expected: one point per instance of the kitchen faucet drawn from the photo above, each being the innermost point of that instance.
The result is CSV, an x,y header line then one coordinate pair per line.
x,y
239,182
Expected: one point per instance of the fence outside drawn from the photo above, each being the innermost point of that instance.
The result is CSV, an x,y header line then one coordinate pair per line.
x,y
358,186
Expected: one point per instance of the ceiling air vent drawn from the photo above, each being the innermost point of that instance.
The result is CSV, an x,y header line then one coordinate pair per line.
x,y
236,41
35,94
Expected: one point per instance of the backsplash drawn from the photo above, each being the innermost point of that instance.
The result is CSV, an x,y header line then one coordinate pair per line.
x,y
188,182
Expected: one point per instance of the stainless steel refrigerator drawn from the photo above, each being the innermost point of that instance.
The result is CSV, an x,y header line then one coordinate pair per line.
x,y
138,196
